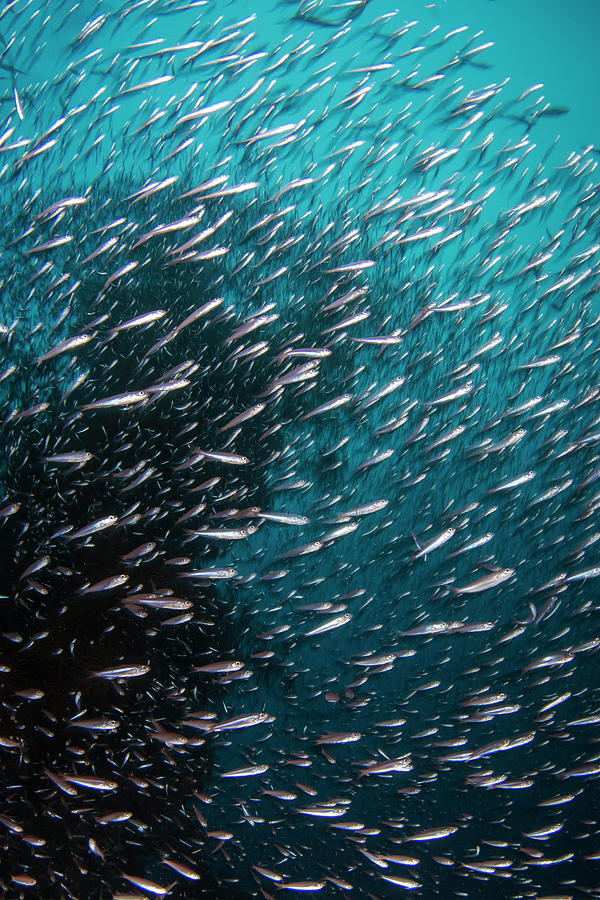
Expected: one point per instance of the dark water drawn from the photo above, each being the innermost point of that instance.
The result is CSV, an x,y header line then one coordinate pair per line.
x,y
298,518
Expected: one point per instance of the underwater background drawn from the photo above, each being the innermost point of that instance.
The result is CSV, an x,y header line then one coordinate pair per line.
x,y
300,470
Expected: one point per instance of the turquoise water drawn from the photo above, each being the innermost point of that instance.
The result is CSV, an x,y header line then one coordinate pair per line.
x,y
299,491
534,43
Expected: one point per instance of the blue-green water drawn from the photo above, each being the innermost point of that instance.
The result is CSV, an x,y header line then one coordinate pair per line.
x,y
299,491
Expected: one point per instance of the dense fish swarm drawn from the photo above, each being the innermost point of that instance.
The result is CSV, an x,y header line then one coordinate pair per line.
x,y
299,491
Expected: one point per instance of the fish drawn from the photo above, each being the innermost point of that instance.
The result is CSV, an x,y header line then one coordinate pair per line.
x,y
245,772
151,887
94,527
127,399
434,543
329,625
432,834
65,347
486,582
92,782
77,457
123,671
138,321
299,482
95,724
384,768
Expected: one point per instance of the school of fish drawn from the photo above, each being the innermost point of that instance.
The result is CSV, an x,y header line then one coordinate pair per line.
x,y
300,481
